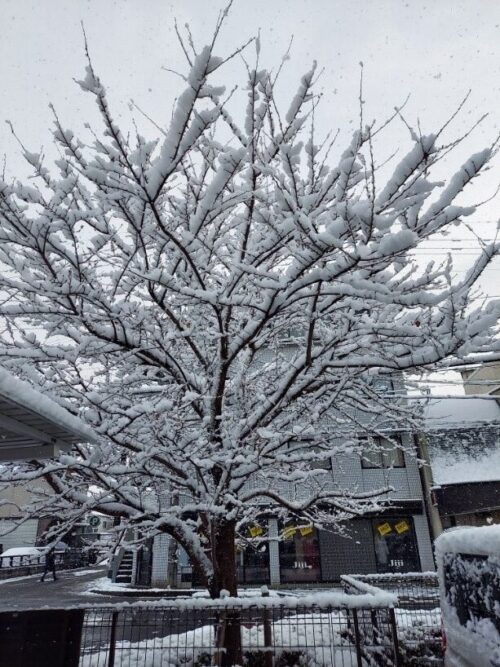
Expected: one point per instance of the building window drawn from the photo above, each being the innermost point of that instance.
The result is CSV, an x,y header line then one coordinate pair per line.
x,y
252,557
380,452
383,384
253,564
299,555
395,545
304,448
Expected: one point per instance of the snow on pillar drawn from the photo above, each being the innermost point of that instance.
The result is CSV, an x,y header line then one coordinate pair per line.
x,y
274,554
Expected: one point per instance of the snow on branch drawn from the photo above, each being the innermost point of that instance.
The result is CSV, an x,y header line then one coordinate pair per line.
x,y
218,303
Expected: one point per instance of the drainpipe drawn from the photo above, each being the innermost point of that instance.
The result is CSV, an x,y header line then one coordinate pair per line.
x,y
432,512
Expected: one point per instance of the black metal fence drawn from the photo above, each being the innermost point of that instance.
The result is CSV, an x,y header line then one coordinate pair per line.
x,y
192,633
20,566
417,613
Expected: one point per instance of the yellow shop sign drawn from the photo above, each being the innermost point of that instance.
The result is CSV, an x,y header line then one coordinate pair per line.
x,y
289,532
402,527
384,528
255,531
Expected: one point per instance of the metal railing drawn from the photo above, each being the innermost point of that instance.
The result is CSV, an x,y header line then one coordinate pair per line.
x,y
417,612
351,632
25,565
306,635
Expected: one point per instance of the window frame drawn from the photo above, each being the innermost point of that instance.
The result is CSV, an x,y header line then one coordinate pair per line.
x,y
383,465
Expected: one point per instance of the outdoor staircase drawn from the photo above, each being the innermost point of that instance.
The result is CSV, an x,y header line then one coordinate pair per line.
x,y
125,569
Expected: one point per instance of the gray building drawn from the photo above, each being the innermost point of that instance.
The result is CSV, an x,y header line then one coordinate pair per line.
x,y
462,446
395,539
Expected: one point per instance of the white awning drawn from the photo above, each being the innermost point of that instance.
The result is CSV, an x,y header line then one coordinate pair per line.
x,y
33,426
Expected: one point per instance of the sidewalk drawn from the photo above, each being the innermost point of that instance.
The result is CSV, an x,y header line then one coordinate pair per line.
x,y
71,588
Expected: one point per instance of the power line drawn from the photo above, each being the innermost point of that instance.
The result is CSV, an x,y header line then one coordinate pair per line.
x,y
476,383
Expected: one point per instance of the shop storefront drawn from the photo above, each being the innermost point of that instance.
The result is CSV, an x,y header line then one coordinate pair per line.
x,y
299,555
295,554
395,545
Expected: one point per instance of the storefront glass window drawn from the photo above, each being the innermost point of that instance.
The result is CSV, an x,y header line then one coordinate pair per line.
x,y
299,555
395,545
253,564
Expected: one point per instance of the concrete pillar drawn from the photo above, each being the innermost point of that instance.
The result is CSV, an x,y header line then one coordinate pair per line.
x,y
274,554
424,542
159,571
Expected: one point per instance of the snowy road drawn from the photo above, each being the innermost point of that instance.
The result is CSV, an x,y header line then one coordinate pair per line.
x,y
70,589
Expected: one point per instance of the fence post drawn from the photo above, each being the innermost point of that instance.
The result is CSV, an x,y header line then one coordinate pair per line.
x,y
376,637
220,636
357,638
394,632
268,635
112,639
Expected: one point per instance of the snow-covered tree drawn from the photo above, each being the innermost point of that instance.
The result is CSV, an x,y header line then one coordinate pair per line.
x,y
215,301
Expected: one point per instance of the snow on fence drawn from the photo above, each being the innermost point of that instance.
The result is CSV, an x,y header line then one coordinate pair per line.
x,y
417,613
324,630
174,636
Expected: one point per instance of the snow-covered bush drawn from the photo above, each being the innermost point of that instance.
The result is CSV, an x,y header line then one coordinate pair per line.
x,y
469,569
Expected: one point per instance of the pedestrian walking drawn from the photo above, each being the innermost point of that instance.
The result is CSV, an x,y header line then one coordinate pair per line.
x,y
50,564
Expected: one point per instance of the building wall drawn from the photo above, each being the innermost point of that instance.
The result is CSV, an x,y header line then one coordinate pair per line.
x,y
13,498
274,553
424,543
473,519
354,554
22,536
160,560
18,496
484,379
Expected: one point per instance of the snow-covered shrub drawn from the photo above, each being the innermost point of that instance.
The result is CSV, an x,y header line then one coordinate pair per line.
x,y
469,569
419,637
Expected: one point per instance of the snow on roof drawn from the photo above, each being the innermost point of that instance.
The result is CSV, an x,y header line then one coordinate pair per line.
x,y
469,451
482,540
452,412
453,468
14,390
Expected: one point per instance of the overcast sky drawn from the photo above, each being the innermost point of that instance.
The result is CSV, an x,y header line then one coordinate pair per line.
x,y
434,50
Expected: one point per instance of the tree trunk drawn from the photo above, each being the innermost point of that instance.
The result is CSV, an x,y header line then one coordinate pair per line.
x,y
225,578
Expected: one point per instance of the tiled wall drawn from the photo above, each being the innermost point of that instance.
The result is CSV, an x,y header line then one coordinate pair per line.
x,y
160,560
274,554
342,555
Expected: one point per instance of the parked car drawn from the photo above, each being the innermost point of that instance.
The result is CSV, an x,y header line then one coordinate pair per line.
x,y
469,574
17,556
